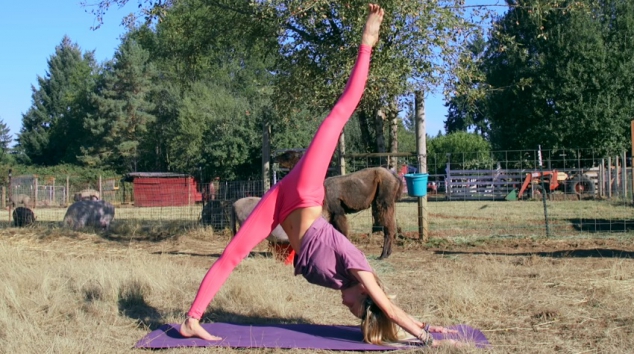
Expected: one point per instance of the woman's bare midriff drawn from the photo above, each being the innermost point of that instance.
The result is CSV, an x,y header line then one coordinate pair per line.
x,y
297,222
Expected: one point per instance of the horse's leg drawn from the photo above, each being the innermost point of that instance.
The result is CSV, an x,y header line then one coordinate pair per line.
x,y
337,217
376,224
385,205
379,209
382,216
340,222
389,231
234,229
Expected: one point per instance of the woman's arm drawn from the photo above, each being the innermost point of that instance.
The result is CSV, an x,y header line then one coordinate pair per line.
x,y
393,312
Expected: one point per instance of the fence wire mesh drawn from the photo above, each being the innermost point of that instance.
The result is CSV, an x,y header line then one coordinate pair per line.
x,y
470,195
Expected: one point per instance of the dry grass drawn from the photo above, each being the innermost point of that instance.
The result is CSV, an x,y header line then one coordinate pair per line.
x,y
69,292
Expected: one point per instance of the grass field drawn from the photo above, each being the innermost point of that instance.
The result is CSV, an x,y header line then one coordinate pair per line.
x,y
70,292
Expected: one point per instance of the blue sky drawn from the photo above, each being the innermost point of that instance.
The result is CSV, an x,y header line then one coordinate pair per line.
x,y
30,31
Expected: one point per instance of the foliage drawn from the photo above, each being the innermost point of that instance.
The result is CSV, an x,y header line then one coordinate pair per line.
x,y
282,63
149,10
5,139
51,129
462,149
563,78
79,176
466,110
319,39
215,90
123,111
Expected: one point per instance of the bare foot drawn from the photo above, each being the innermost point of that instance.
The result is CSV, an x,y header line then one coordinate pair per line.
x,y
372,25
192,328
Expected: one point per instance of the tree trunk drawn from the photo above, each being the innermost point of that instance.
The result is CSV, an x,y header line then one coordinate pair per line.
x,y
393,114
366,135
342,154
266,155
379,118
421,150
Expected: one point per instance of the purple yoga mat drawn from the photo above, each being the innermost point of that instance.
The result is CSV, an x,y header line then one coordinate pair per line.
x,y
299,336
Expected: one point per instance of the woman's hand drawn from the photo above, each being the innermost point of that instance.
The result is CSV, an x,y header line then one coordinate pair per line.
x,y
439,329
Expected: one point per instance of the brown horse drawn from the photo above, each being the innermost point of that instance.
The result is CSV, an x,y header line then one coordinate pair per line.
x,y
374,187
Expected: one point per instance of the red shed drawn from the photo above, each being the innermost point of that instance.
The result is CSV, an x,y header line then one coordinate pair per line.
x,y
157,189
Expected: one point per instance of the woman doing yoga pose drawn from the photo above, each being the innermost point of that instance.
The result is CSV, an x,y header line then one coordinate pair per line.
x,y
324,256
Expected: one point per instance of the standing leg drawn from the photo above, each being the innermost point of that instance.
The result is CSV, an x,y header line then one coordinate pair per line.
x,y
256,228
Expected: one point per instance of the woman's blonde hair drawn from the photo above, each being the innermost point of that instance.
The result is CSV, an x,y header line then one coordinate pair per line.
x,y
376,327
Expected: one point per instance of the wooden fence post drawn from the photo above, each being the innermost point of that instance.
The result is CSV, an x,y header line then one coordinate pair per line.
x,y
36,188
67,190
342,154
421,151
624,175
10,194
632,164
266,157
609,177
601,181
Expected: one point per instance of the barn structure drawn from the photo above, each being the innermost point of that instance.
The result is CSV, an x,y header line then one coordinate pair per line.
x,y
160,189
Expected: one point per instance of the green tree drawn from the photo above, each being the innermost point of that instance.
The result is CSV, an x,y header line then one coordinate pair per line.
x,y
212,131
219,89
462,149
299,54
123,110
417,51
562,79
466,109
52,127
5,140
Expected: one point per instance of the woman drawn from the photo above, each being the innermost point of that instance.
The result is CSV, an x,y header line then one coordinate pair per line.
x,y
324,256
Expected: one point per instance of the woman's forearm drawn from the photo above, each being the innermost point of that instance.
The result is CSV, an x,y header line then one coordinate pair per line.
x,y
405,321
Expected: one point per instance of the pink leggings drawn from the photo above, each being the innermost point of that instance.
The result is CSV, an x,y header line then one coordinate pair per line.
x,y
302,187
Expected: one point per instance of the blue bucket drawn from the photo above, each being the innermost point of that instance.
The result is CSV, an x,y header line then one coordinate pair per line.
x,y
416,184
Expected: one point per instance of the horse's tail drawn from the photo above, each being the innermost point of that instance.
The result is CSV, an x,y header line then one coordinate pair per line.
x,y
398,188
399,192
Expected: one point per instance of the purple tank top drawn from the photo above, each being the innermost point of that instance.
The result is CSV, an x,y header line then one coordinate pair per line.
x,y
326,257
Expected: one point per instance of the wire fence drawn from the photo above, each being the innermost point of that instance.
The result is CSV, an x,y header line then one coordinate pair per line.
x,y
507,193
497,194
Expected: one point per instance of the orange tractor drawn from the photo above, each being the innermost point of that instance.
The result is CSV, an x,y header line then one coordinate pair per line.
x,y
555,181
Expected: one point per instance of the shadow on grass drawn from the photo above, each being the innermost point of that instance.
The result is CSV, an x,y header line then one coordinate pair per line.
x,y
579,253
149,230
213,255
132,304
602,225
123,230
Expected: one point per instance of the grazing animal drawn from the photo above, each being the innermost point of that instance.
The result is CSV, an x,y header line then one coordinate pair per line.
x,y
216,213
89,213
86,194
241,210
20,200
23,217
375,187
